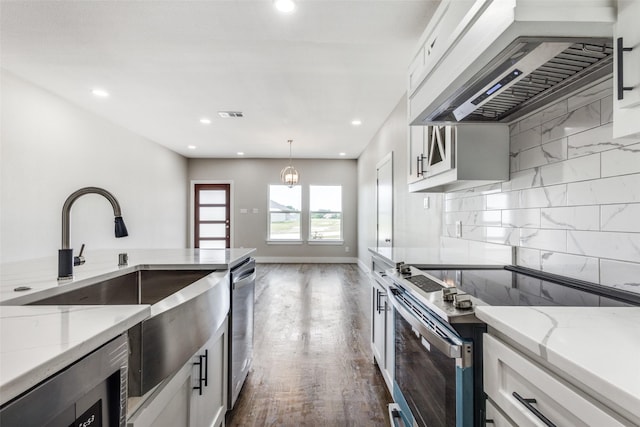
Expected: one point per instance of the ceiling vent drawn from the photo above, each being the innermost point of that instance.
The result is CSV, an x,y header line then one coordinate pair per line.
x,y
230,114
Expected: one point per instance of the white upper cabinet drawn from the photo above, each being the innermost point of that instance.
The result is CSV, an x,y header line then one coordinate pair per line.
x,y
448,158
626,75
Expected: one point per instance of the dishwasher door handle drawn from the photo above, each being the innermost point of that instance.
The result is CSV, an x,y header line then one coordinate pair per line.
x,y
244,280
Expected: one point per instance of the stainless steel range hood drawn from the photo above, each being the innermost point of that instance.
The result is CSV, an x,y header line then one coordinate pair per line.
x,y
497,60
529,74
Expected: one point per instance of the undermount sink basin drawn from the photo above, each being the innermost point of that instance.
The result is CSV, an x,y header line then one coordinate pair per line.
x,y
187,306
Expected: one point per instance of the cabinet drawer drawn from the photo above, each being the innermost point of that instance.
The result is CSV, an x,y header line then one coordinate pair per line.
x,y
511,381
495,418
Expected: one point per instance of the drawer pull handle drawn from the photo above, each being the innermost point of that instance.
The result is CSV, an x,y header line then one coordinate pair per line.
x,y
528,404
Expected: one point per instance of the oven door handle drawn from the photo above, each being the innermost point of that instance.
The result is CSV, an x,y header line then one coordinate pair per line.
x,y
452,351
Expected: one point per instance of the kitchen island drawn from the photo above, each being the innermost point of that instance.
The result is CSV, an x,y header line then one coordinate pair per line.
x,y
38,341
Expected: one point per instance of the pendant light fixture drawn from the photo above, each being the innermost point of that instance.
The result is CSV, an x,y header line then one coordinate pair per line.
x,y
289,175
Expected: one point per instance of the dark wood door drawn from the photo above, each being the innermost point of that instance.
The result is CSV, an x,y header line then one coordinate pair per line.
x,y
212,216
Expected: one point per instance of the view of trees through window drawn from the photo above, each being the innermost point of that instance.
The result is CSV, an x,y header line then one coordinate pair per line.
x,y
325,212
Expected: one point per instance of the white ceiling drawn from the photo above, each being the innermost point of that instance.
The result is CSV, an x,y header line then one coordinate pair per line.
x,y
166,64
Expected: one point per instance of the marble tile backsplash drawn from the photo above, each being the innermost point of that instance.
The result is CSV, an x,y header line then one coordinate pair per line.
x,y
572,205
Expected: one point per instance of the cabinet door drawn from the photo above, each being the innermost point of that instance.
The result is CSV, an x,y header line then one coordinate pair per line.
x,y
209,390
626,111
168,405
417,153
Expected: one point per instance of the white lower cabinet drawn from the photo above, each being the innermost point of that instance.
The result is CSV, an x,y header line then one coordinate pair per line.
x,y
527,394
495,417
195,396
382,330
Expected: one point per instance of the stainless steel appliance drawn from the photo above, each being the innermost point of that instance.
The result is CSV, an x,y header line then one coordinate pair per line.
x,y
243,279
438,338
91,392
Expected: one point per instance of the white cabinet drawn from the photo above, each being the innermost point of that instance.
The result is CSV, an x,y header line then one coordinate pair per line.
x,y
195,396
530,395
382,337
626,103
382,330
448,158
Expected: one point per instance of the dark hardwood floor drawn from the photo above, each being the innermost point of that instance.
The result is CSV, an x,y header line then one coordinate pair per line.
x,y
312,358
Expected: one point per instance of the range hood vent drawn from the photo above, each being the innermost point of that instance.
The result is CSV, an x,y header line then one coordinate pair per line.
x,y
530,73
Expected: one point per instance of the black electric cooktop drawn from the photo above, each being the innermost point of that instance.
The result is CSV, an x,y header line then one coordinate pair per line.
x,y
505,287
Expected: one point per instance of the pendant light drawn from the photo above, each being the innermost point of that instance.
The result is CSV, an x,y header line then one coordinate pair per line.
x,y
289,175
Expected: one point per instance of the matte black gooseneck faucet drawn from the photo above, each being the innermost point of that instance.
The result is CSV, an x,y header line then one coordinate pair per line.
x,y
66,259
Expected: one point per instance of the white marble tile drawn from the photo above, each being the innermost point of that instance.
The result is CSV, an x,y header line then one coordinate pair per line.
x,y
531,121
576,266
527,257
583,118
606,110
623,161
508,200
571,218
545,154
619,189
550,240
591,94
556,110
449,230
473,233
475,203
542,197
576,169
621,217
529,218
514,128
592,141
623,275
453,205
524,179
524,140
502,235
514,162
603,244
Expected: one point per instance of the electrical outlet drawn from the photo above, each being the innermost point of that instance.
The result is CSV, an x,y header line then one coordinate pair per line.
x,y
458,228
425,202
346,248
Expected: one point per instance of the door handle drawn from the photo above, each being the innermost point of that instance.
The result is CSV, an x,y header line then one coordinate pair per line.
x,y
620,49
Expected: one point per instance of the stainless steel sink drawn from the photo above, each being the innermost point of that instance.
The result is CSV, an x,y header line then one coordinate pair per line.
x,y
186,308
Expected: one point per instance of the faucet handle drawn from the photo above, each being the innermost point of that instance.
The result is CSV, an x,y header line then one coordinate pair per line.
x,y
79,260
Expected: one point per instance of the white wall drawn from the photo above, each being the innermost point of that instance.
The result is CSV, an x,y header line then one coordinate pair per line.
x,y
251,178
50,148
413,226
572,206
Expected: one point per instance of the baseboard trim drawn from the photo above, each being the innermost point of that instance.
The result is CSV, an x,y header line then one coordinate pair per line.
x,y
306,260
363,266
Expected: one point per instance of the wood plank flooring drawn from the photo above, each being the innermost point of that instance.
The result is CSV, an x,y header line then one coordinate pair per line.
x,y
312,357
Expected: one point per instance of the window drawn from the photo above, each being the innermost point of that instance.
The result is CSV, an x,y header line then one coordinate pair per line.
x,y
325,212
285,204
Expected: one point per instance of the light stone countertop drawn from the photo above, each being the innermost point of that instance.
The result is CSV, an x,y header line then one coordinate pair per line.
x,y
597,349
38,341
41,274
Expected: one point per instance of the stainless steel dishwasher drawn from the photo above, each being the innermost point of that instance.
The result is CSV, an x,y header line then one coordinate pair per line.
x,y
243,282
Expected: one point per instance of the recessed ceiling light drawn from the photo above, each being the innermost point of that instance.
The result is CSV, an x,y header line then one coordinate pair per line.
x,y
343,154
240,153
100,93
284,6
230,114
356,122
191,147
205,121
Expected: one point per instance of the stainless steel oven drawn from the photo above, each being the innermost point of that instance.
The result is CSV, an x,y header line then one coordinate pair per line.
x,y
435,372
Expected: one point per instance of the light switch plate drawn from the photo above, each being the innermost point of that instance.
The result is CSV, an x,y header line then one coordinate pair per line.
x,y
244,210
255,210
